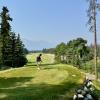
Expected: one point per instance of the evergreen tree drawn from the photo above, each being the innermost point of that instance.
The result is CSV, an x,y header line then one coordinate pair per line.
x,y
0,47
11,47
20,58
25,50
15,52
5,32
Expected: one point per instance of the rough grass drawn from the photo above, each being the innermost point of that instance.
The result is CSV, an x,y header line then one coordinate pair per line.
x,y
52,82
89,67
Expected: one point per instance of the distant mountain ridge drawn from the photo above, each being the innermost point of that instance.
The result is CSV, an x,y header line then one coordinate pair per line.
x,y
37,45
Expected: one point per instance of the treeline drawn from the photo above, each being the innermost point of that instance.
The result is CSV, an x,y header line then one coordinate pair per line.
x,y
75,52
12,51
50,50
44,50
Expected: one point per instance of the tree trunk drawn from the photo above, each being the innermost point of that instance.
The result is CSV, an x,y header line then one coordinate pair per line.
x,y
95,41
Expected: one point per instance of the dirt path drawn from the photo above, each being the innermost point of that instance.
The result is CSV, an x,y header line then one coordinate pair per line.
x,y
90,76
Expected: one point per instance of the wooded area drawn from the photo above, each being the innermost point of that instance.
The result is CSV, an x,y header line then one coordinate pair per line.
x,y
11,47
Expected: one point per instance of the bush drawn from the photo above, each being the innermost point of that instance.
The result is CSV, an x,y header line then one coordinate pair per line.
x,y
21,61
18,62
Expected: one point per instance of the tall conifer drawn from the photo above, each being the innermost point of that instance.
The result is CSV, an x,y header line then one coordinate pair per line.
x,y
5,32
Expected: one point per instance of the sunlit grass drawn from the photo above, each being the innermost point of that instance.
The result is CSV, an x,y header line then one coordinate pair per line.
x,y
52,82
46,58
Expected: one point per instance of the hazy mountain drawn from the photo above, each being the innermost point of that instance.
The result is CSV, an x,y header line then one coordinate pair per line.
x,y
37,45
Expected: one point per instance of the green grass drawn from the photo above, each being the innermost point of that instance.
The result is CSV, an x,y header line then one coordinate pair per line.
x,y
52,82
46,58
89,67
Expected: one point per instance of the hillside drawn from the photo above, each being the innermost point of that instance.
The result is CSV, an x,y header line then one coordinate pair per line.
x,y
52,82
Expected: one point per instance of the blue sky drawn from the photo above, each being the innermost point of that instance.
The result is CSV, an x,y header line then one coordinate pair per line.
x,y
49,22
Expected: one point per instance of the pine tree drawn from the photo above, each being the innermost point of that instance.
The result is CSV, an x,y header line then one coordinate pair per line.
x,y
20,58
11,46
5,32
11,50
0,47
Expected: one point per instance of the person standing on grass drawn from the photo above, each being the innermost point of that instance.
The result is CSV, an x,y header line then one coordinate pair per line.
x,y
38,61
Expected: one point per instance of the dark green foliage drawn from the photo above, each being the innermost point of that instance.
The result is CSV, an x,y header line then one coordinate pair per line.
x,y
35,51
98,49
51,50
21,61
17,62
75,52
16,56
12,52
60,52
19,53
4,33
25,50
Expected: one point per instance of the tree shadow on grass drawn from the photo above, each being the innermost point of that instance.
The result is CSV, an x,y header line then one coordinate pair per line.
x,y
31,64
97,93
6,82
45,64
43,91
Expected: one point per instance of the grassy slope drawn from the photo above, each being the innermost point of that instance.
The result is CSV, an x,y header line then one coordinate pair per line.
x,y
53,82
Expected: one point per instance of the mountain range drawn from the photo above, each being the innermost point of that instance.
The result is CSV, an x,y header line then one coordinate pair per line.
x,y
37,45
